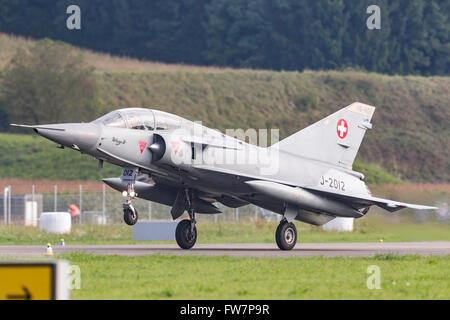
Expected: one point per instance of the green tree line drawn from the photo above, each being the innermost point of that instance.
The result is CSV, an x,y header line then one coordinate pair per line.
x,y
48,83
263,34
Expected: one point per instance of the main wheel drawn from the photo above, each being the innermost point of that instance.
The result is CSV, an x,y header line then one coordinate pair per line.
x,y
184,235
286,235
130,216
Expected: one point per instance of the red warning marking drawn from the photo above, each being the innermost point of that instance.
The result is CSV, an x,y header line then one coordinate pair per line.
x,y
342,128
175,146
142,145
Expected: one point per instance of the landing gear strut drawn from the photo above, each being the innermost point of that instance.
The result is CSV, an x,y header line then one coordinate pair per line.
x,y
130,214
186,232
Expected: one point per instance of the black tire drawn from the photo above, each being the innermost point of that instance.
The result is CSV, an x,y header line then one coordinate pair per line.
x,y
129,216
184,236
286,235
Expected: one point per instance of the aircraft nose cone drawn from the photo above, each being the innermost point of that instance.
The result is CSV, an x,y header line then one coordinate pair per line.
x,y
58,133
80,136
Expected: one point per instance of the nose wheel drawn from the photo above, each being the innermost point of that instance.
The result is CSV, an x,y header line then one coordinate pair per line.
x,y
130,214
286,235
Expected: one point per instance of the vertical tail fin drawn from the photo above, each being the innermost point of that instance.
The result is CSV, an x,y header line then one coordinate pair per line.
x,y
334,139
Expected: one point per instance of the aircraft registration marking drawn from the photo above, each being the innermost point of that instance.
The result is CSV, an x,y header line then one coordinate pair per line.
x,y
333,183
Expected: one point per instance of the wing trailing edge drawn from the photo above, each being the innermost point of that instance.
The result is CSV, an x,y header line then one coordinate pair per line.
x,y
386,204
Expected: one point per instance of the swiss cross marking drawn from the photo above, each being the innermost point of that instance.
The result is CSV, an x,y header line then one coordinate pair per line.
x,y
342,128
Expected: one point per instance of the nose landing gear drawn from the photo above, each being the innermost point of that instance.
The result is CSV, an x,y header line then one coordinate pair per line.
x,y
130,214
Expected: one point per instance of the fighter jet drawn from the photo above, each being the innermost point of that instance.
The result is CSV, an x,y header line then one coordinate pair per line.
x,y
167,159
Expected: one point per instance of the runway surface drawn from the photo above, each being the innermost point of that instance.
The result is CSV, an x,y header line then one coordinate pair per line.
x,y
362,249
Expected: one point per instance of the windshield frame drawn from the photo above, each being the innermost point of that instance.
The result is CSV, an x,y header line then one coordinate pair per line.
x,y
109,118
141,116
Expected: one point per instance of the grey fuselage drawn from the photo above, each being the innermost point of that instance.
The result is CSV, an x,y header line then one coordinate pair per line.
x,y
217,166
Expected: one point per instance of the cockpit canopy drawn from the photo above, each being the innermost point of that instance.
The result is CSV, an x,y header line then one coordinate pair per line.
x,y
140,119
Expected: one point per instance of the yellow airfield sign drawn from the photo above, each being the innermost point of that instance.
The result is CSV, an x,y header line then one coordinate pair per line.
x,y
27,281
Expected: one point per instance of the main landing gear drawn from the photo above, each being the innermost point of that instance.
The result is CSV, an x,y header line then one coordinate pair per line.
x,y
286,234
186,232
